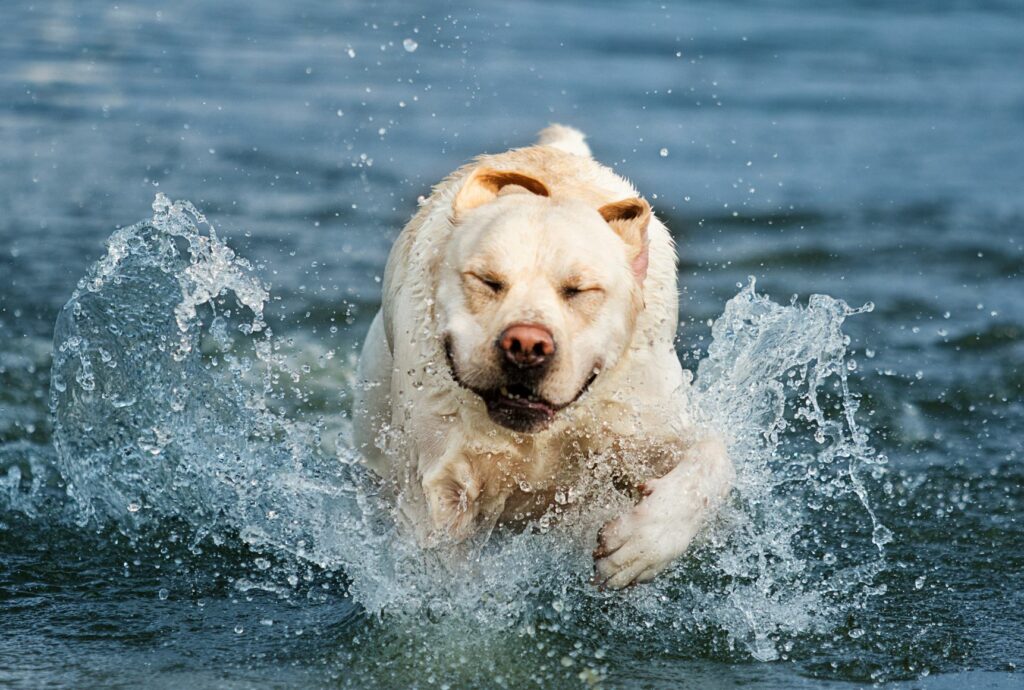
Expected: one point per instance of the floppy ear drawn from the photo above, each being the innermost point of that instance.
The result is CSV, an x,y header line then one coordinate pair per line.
x,y
485,184
629,219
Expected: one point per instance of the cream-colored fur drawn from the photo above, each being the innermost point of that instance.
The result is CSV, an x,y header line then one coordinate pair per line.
x,y
544,236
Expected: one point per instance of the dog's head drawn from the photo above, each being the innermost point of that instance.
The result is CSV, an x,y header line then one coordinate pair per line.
x,y
537,296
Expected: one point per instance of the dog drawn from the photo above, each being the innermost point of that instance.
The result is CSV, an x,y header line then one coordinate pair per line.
x,y
527,325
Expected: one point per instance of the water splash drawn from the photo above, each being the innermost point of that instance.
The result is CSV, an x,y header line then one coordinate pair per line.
x,y
776,377
166,389
28,481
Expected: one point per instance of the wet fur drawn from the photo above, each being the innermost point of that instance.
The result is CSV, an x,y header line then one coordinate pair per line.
x,y
451,469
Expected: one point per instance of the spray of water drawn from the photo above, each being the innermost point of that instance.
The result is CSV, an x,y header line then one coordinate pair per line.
x,y
166,395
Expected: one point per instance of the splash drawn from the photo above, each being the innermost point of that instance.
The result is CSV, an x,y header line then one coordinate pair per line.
x,y
168,391
776,377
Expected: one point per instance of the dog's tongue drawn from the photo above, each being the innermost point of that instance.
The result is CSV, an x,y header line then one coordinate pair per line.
x,y
526,404
518,410
522,405
534,405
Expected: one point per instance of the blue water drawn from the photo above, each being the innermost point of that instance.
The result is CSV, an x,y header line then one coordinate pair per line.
x,y
868,151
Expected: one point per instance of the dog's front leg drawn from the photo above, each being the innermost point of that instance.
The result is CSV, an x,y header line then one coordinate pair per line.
x,y
639,544
452,490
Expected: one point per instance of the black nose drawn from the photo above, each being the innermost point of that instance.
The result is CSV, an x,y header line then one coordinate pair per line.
x,y
526,345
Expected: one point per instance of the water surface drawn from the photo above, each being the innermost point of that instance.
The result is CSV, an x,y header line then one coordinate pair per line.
x,y
861,150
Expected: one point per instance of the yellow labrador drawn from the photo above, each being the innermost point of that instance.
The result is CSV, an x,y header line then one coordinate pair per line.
x,y
528,318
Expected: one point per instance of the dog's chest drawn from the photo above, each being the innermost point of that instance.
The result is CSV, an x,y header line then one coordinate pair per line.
x,y
522,480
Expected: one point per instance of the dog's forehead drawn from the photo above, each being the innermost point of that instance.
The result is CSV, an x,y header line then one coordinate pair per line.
x,y
539,230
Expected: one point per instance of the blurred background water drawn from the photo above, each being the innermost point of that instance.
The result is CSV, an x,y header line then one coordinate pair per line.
x,y
867,150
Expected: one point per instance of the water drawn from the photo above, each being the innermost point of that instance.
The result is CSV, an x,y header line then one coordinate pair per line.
x,y
864,151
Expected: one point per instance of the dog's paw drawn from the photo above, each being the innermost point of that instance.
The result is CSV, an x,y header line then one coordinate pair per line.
x,y
639,544
452,502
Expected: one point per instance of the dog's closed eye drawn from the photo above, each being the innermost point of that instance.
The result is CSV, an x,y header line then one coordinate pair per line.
x,y
493,283
571,290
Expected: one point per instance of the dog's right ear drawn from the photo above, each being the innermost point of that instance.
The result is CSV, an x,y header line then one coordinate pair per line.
x,y
484,185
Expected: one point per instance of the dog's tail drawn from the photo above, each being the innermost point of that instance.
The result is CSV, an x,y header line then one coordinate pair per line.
x,y
565,138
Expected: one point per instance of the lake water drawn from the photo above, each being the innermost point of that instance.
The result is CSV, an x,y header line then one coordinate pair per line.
x,y
216,533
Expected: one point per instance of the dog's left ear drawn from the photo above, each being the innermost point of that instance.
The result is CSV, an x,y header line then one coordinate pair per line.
x,y
629,219
484,185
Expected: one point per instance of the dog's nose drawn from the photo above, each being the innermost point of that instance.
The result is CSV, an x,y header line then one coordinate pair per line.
x,y
527,345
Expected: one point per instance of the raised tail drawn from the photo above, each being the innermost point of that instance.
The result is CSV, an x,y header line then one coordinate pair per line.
x,y
566,138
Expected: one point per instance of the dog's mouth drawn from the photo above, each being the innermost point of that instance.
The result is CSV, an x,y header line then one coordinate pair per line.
x,y
517,405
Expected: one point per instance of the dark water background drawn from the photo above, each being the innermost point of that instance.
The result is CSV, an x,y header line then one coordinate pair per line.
x,y
871,151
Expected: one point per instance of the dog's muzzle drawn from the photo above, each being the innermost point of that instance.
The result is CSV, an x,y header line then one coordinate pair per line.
x,y
516,404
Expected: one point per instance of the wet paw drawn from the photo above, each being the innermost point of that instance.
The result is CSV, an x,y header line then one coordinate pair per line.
x,y
452,502
642,542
